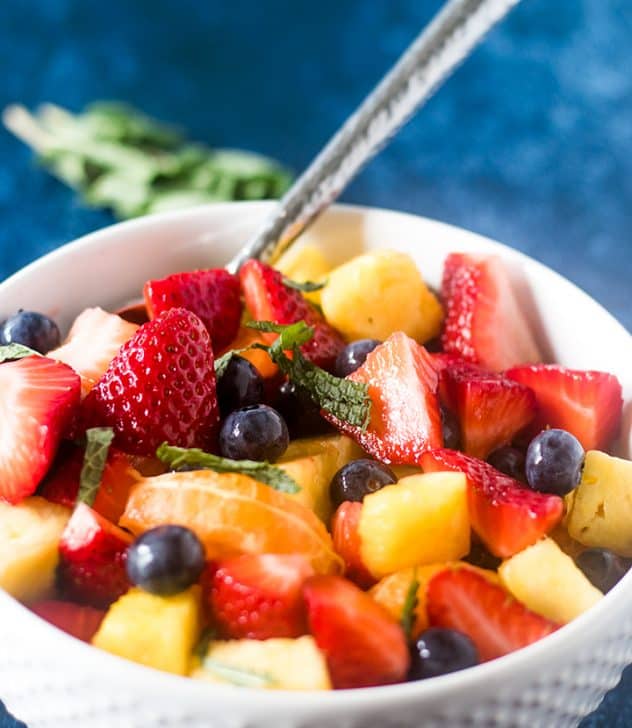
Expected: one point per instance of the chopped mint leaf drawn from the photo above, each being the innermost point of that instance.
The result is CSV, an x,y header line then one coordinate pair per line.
x,y
238,675
176,457
407,619
304,286
98,441
10,352
290,335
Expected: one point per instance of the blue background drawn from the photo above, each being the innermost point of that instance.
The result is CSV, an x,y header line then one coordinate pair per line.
x,y
530,143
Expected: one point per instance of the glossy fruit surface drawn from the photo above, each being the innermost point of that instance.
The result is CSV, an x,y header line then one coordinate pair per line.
x,y
77,620
300,412
603,568
347,543
240,385
257,432
439,651
510,461
32,329
554,462
353,356
359,478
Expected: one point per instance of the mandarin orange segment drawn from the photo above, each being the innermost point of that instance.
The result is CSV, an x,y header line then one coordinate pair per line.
x,y
231,514
257,357
116,482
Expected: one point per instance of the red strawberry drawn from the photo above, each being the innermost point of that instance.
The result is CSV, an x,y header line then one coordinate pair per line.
x,y
38,399
346,538
484,322
258,596
160,386
61,485
79,621
463,600
269,299
212,295
363,644
93,553
586,403
405,417
506,515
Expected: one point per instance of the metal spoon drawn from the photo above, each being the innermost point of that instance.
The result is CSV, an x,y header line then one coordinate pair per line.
x,y
453,33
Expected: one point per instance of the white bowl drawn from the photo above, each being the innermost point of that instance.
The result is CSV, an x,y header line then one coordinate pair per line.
x,y
50,679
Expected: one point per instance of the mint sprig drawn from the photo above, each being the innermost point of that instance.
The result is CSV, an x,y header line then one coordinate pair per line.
x,y
238,675
407,619
304,286
264,472
11,352
98,441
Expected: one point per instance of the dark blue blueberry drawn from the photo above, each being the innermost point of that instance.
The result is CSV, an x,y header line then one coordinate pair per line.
x,y
257,432
451,429
31,329
165,560
510,461
240,385
359,478
439,651
481,557
554,462
300,412
353,356
603,568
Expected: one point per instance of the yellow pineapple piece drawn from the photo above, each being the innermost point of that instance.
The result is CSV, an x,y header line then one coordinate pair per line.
x,y
378,293
278,664
313,462
158,632
422,519
599,510
306,263
29,546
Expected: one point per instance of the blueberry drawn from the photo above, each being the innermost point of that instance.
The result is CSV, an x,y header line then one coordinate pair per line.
x,y
510,461
239,386
257,432
354,356
481,557
31,329
451,429
300,412
359,478
602,567
554,462
165,560
439,651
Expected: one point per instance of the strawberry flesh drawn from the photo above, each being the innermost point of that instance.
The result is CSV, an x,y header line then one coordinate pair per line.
x,y
362,643
506,515
346,538
212,295
77,620
465,601
588,404
160,387
38,399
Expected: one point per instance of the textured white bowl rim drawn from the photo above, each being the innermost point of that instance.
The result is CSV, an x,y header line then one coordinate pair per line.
x,y
526,659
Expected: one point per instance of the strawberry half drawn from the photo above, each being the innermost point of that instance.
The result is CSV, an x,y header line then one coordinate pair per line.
x,y
484,322
212,295
463,600
405,416
258,596
506,515
93,553
78,621
160,386
363,644
346,538
269,299
38,400
588,404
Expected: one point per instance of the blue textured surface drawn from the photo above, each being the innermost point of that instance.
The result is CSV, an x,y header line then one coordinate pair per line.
x,y
530,143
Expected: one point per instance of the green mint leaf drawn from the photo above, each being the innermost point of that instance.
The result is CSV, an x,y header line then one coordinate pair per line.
x,y
290,335
304,286
407,619
176,457
239,675
10,352
98,444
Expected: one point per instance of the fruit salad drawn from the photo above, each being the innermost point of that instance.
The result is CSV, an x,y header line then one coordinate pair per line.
x,y
308,478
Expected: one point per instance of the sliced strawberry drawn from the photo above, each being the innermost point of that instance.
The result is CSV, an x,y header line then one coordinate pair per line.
x,y
363,644
506,515
588,404
258,596
346,538
61,484
38,399
79,621
93,553
160,386
212,295
405,416
269,299
463,600
484,322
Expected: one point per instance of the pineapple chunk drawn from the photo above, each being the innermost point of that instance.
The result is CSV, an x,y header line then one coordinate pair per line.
x,y
313,462
281,664
600,508
307,263
375,294
29,546
422,519
159,632
548,582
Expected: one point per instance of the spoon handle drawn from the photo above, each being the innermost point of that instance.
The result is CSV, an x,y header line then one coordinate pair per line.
x,y
435,53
